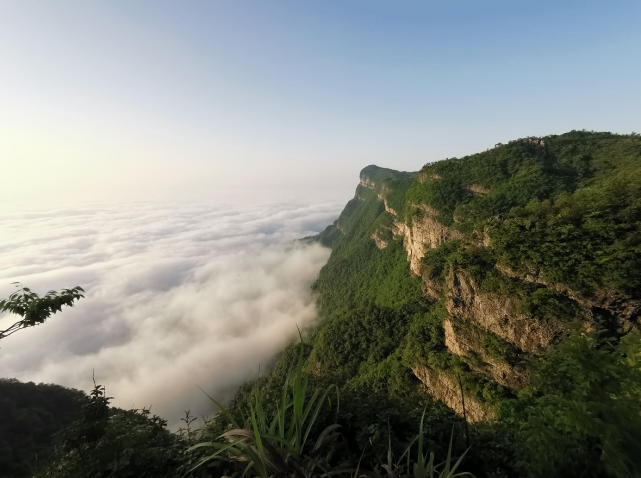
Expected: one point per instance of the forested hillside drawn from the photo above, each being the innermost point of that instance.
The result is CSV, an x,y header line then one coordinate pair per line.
x,y
467,279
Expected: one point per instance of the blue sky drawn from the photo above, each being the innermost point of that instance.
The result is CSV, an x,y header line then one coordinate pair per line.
x,y
185,100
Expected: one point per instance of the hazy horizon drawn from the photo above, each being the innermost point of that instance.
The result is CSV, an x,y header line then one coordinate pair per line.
x,y
159,101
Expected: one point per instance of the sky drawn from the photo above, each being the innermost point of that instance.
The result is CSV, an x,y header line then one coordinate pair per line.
x,y
164,100
165,156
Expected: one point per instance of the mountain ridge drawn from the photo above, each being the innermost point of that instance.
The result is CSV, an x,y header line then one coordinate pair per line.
x,y
461,222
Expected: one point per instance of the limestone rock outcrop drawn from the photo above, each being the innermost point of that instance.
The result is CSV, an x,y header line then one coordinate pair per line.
x,y
464,339
380,243
441,386
425,232
497,313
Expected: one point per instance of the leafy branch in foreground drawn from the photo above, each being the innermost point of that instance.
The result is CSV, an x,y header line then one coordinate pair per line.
x,y
33,309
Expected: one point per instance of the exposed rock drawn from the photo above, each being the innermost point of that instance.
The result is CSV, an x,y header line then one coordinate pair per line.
x,y
381,196
429,210
529,276
480,238
498,314
365,182
422,177
534,140
389,209
431,289
380,243
620,311
445,388
425,233
464,339
478,189
487,240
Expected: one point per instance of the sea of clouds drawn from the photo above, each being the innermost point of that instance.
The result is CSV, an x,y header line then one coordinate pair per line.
x,y
176,296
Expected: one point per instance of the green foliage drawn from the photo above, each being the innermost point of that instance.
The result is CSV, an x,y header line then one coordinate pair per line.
x,y
589,239
277,443
115,443
426,338
329,236
437,261
390,377
499,349
35,310
30,415
567,205
427,469
365,335
582,417
534,299
359,273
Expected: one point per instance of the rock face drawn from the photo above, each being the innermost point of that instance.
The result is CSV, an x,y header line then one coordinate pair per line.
x,y
474,315
366,182
478,320
464,339
485,329
612,309
424,177
497,314
445,388
424,233
478,189
380,243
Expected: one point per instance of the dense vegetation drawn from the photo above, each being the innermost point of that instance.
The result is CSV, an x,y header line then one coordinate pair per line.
x,y
568,205
30,415
563,207
564,210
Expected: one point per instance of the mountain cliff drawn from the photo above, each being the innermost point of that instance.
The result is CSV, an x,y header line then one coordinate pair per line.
x,y
477,265
497,296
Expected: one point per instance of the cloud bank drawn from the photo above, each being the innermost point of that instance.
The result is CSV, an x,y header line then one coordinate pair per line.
x,y
176,296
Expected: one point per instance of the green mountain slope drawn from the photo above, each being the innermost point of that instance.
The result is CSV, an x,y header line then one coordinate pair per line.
x,y
461,281
548,228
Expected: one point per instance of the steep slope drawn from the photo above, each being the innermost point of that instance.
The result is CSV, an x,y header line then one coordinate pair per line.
x,y
473,267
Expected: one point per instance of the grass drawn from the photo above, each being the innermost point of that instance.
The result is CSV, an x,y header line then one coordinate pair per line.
x,y
278,445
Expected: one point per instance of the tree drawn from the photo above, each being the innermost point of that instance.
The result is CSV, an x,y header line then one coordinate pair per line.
x,y
109,442
582,418
33,309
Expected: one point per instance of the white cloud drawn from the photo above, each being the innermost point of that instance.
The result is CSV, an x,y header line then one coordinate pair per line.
x,y
176,296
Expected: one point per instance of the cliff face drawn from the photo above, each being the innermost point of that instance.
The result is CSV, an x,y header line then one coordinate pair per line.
x,y
472,313
498,314
445,388
422,233
510,254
